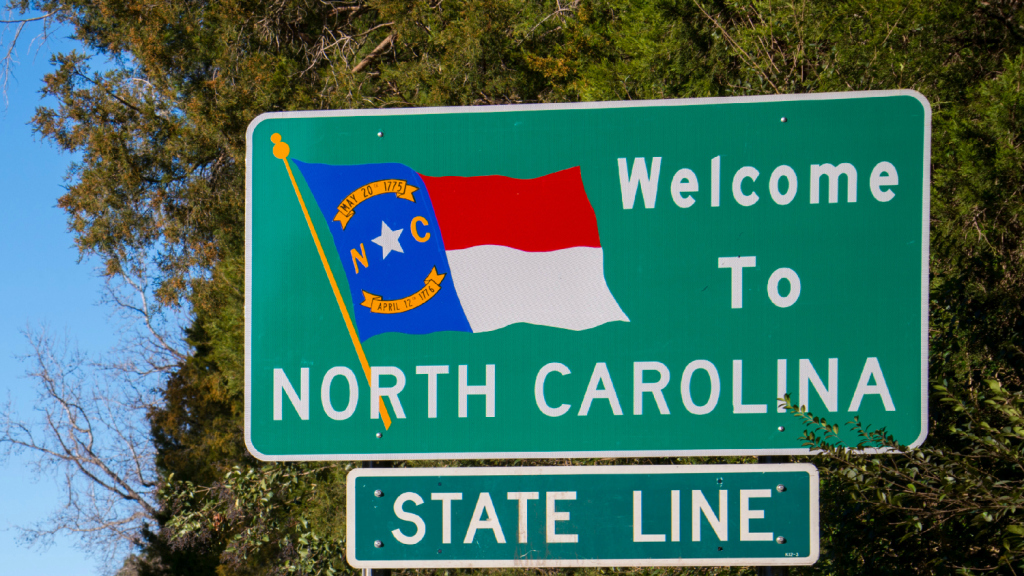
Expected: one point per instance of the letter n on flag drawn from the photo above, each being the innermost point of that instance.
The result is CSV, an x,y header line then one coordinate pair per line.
x,y
425,254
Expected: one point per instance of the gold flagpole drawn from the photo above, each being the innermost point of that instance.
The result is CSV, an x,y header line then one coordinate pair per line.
x,y
281,151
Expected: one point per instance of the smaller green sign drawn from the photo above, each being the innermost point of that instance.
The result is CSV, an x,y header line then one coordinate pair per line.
x,y
729,515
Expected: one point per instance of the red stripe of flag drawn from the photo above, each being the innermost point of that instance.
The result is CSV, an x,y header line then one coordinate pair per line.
x,y
534,215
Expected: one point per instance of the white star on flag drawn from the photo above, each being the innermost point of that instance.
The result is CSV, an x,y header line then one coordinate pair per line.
x,y
388,240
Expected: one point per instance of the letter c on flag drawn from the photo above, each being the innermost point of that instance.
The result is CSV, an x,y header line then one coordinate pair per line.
x,y
415,232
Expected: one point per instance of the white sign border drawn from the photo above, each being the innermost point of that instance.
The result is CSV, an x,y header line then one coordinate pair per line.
x,y
853,95
350,521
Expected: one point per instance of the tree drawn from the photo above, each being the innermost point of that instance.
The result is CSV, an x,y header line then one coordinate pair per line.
x,y
93,434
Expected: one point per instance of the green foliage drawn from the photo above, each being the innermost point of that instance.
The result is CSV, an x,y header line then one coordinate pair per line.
x,y
261,517
907,510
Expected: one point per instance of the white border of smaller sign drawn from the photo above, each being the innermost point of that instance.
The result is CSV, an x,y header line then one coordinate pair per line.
x,y
350,521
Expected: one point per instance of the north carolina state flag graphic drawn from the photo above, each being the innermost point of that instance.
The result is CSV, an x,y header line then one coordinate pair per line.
x,y
425,254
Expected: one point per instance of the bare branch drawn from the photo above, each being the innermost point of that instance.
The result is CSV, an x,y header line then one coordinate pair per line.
x,y
8,61
374,54
46,16
92,430
152,343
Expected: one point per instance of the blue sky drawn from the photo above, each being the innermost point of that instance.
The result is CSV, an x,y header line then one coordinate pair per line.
x,y
42,283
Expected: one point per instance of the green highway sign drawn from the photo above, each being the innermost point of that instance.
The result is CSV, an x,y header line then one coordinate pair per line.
x,y
734,515
582,280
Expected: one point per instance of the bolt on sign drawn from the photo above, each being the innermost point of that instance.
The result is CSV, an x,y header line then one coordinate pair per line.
x,y
602,279
763,514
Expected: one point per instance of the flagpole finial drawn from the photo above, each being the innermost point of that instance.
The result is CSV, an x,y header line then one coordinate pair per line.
x,y
280,148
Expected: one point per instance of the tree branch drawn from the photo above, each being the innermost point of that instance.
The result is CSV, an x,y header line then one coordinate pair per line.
x,y
374,54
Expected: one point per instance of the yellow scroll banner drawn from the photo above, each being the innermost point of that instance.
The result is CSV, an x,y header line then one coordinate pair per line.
x,y
432,285
347,208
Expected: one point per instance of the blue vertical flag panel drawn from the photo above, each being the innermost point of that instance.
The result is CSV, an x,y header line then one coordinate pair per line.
x,y
387,238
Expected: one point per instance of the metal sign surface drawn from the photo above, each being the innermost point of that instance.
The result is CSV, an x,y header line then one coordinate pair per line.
x,y
606,279
759,514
